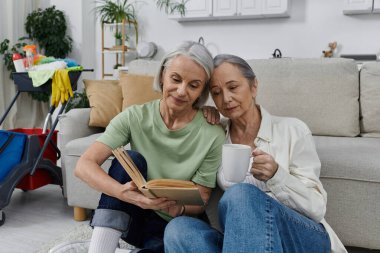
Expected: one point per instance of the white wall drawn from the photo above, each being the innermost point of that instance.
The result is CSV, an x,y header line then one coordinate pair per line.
x,y
306,33
26,112
81,28
311,25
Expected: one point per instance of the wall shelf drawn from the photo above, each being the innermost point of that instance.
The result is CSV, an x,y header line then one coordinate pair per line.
x,y
118,50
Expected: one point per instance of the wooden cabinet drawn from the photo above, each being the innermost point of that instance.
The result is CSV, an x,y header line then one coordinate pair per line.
x,y
233,9
357,6
110,47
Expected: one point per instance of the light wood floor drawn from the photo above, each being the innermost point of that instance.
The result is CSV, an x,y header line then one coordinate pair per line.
x,y
36,217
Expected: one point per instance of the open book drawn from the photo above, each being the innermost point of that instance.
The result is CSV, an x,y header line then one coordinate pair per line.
x,y
184,192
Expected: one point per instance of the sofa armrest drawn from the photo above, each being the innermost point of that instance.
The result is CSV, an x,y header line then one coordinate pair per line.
x,y
74,124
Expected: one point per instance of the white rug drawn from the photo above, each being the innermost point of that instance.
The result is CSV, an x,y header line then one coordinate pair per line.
x,y
81,232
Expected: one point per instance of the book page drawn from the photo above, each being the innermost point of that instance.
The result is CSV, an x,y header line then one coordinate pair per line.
x,y
182,191
164,183
127,163
184,196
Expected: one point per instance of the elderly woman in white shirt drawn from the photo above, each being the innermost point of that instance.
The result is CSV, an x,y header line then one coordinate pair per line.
x,y
281,204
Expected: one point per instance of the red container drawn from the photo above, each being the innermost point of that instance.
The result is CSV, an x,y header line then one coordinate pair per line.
x,y
41,177
50,152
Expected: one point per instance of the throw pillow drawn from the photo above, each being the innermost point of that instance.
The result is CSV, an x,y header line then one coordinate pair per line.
x,y
137,89
369,99
321,92
105,100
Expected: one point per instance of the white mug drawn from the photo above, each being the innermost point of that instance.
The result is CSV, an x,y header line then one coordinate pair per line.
x,y
235,162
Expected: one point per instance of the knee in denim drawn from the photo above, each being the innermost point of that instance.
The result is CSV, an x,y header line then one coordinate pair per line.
x,y
242,192
174,228
117,172
138,159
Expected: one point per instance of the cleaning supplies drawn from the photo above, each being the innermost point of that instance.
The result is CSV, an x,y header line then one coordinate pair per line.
x,y
18,62
61,87
30,51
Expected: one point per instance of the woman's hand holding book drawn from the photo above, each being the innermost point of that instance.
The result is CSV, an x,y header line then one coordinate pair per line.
x,y
131,194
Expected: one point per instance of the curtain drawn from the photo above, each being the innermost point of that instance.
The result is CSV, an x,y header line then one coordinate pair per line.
x,y
26,112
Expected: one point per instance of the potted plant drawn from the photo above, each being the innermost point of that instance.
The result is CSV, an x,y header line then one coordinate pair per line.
x,y
119,38
48,27
7,51
171,6
79,100
118,11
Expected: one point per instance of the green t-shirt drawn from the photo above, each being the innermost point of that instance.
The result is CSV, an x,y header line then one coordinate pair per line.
x,y
191,153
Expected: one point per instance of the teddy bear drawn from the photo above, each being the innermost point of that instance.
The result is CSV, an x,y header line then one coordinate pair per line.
x,y
330,51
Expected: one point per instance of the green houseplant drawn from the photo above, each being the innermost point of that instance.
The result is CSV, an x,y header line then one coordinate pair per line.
x,y
117,12
79,100
7,51
119,38
170,6
48,27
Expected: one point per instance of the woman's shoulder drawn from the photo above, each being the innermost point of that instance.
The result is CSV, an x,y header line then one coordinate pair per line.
x,y
210,129
135,112
148,107
291,123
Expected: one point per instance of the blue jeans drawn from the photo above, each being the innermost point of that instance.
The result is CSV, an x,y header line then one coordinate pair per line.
x,y
253,222
141,228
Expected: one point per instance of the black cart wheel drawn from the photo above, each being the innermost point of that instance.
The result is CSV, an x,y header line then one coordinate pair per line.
x,y
2,219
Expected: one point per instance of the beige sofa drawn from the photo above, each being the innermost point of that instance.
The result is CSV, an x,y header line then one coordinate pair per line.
x,y
340,104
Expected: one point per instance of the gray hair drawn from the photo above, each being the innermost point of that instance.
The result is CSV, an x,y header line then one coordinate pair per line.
x,y
198,53
238,62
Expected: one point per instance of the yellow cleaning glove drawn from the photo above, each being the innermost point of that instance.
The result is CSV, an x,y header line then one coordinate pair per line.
x,y
55,92
61,87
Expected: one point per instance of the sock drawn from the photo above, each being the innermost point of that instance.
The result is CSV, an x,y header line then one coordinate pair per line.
x,y
104,240
123,250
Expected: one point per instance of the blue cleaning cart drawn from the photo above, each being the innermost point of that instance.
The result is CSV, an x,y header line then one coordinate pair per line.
x,y
33,154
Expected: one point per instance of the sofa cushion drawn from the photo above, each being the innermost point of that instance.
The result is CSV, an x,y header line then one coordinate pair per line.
x,y
77,146
105,99
137,89
370,99
323,92
349,158
76,188
76,119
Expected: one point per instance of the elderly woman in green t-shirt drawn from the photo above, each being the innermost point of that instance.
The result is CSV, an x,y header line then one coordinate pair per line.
x,y
170,138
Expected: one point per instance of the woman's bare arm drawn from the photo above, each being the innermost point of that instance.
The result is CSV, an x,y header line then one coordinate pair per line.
x,y
88,169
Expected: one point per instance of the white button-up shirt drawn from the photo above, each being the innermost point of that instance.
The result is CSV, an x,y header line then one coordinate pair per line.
x,y
296,183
